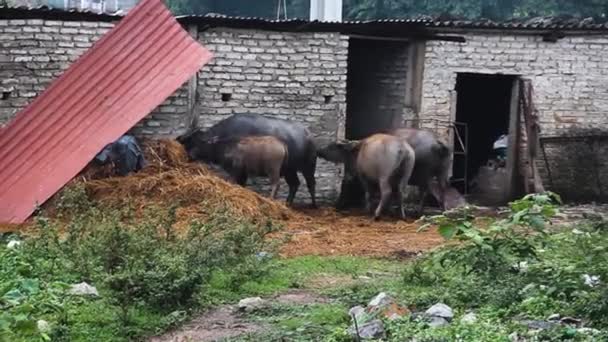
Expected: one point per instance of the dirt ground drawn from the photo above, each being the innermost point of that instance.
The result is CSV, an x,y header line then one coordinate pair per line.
x,y
327,232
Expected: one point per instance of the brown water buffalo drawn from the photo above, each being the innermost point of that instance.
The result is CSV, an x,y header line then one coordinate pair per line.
x,y
264,156
431,172
380,159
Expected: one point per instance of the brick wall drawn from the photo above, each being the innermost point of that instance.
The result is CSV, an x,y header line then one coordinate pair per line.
x,y
295,76
34,52
568,76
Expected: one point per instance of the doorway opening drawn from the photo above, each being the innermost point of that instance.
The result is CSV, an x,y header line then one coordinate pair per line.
x,y
376,96
484,104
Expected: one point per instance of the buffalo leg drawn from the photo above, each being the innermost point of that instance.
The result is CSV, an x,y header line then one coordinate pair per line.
x,y
309,177
275,179
368,195
240,177
385,195
397,192
422,198
291,177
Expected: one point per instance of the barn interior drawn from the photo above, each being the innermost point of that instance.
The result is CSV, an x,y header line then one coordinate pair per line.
x,y
376,88
484,105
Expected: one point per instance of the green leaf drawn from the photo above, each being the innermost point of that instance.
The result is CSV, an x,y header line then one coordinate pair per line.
x,y
537,222
25,326
447,231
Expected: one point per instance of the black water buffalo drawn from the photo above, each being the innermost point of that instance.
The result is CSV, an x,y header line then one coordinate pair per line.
x,y
431,172
300,145
244,157
381,159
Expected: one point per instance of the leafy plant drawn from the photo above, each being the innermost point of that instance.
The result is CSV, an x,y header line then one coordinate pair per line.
x,y
492,249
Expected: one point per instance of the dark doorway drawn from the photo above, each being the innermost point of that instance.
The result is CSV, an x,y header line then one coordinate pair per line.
x,y
484,105
376,95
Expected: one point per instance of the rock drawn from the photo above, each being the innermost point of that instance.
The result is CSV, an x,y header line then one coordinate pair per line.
x,y
554,317
251,304
369,331
83,289
570,321
440,310
394,311
436,322
469,318
12,244
381,300
43,326
263,255
588,331
514,337
591,281
539,325
357,313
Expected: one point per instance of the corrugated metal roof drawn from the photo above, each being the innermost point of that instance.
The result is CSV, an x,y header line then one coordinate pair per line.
x,y
421,22
48,12
534,23
123,77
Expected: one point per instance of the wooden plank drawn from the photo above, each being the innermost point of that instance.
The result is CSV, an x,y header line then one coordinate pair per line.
x,y
192,118
514,136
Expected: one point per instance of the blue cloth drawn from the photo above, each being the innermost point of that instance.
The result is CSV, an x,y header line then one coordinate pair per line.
x,y
125,153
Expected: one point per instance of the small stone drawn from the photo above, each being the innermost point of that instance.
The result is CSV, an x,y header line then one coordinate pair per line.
x,y
43,326
554,317
369,331
357,312
469,318
382,299
539,325
251,304
570,321
12,244
588,331
440,310
514,337
263,255
436,322
83,289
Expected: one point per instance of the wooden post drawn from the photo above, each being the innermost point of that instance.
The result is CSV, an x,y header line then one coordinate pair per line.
x,y
514,136
193,94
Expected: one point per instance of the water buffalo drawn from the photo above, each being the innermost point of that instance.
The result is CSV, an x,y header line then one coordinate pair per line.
x,y
302,150
431,172
244,157
381,159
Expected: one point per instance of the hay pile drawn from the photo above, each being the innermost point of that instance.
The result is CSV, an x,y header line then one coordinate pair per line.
x,y
169,179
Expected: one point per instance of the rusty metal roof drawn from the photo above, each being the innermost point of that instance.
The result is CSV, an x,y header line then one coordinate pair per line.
x,y
123,77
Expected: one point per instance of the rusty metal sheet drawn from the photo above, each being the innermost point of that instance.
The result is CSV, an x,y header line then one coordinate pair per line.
x,y
130,71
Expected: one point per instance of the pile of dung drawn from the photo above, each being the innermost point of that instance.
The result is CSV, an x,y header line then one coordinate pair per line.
x,y
169,179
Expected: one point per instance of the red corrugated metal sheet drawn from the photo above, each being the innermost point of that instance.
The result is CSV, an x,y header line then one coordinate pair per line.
x,y
123,77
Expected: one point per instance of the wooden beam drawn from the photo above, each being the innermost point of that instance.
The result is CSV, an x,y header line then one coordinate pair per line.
x,y
514,136
193,95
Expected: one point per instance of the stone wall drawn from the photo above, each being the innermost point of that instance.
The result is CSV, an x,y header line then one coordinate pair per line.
x,y
568,77
294,76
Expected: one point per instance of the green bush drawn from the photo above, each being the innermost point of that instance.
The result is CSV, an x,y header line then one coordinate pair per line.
x,y
140,266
